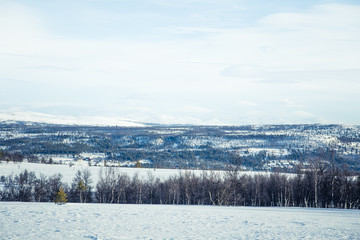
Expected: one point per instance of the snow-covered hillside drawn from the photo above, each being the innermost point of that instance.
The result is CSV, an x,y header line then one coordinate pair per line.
x,y
27,116
268,147
106,221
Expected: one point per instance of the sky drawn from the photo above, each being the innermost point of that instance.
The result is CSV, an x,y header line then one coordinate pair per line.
x,y
227,62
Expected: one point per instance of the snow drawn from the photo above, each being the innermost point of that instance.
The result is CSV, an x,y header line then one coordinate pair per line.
x,y
68,173
28,116
117,221
93,155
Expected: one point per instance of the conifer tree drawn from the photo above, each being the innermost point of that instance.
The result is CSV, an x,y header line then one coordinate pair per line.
x,y
61,197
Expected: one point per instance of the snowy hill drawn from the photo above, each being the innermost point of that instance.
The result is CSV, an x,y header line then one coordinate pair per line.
x,y
27,116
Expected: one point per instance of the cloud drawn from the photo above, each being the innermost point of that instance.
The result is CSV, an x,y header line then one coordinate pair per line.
x,y
308,117
52,68
20,29
328,17
194,109
297,56
247,103
293,77
254,54
291,103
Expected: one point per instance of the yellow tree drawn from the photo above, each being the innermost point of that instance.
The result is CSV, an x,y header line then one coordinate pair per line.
x,y
60,197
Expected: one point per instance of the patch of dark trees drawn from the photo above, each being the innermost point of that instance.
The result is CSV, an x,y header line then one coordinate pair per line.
x,y
321,186
16,157
13,157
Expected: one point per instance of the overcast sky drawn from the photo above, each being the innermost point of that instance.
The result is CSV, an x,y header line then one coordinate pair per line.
x,y
190,61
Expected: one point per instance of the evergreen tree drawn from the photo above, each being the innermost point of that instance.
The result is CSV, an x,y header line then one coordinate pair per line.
x,y
61,196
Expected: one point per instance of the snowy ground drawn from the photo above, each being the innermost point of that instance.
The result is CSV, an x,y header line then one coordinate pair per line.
x,y
105,221
68,173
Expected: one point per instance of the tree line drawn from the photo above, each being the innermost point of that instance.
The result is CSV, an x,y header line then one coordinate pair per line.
x,y
321,186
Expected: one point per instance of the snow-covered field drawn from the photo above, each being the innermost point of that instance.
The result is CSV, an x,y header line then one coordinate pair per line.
x,y
105,221
116,221
68,173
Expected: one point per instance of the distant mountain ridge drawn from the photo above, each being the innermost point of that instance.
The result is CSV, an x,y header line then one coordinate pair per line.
x,y
28,116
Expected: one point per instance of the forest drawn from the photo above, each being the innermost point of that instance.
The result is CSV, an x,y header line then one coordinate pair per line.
x,y
186,147
322,186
